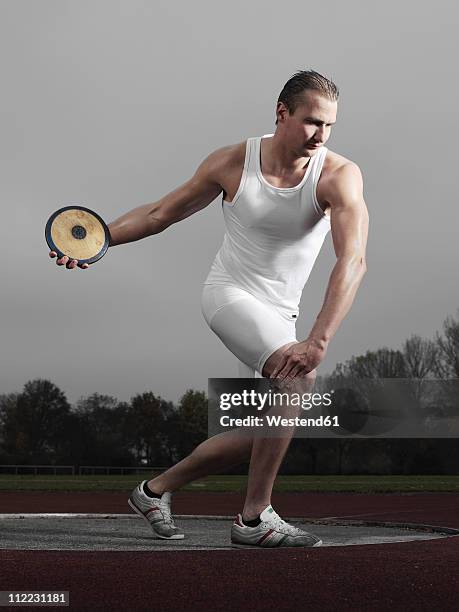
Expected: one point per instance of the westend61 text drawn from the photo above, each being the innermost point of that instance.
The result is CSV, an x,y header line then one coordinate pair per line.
x,y
261,400
278,421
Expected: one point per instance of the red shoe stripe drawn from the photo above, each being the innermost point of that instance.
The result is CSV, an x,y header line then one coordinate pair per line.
x,y
281,540
136,506
147,512
268,533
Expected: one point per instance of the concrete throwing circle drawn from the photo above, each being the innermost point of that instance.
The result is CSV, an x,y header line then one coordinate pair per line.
x,y
126,532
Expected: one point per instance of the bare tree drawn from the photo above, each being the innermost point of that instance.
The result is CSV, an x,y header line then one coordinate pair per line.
x,y
382,363
420,357
448,345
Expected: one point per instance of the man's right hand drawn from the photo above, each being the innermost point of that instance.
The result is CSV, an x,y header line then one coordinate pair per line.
x,y
300,360
67,262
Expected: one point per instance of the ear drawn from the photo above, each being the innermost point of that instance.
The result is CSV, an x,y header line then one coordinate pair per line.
x,y
281,112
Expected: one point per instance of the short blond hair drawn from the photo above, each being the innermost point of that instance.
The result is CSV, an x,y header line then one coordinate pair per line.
x,y
291,94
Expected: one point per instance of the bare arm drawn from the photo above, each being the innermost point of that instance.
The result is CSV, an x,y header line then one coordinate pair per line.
x,y
187,199
349,227
153,218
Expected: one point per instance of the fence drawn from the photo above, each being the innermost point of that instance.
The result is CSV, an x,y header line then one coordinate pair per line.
x,y
37,469
82,470
92,470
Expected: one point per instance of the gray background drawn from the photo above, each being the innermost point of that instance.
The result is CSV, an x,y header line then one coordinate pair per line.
x,y
112,104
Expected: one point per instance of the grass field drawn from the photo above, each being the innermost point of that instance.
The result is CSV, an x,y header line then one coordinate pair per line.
x,y
357,484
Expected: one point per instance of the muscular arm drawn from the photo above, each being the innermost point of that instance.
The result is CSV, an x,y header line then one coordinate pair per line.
x,y
187,199
349,226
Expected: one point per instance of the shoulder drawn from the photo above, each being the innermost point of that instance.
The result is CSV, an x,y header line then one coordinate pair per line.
x,y
340,175
224,159
336,167
229,154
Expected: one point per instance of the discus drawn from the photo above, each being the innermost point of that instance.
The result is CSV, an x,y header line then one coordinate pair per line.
x,y
78,233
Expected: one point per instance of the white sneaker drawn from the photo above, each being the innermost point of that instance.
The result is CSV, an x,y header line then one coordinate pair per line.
x,y
272,532
157,513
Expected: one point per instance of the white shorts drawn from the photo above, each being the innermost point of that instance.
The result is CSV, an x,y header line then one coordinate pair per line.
x,y
251,329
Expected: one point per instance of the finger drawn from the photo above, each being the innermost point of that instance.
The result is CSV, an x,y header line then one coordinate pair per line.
x,y
52,254
62,260
83,266
286,369
294,372
279,366
303,371
71,264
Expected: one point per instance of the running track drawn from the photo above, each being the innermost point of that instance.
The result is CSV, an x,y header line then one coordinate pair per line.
x,y
406,576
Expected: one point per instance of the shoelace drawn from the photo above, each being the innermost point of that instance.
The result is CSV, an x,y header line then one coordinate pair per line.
x,y
166,512
279,524
165,509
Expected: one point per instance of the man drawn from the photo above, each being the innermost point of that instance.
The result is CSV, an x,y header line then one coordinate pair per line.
x,y
281,195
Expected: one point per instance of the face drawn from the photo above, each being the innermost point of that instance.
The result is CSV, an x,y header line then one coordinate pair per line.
x,y
310,125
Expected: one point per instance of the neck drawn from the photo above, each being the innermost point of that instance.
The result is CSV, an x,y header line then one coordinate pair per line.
x,y
280,159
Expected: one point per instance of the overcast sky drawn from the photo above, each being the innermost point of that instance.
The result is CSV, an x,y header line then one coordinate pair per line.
x,y
112,104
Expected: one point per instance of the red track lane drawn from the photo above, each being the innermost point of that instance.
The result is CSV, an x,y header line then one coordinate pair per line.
x,y
405,576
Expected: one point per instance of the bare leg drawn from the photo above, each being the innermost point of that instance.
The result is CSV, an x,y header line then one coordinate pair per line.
x,y
232,448
267,456
210,457
268,453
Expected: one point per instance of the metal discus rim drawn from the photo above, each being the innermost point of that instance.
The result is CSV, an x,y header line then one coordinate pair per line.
x,y
59,252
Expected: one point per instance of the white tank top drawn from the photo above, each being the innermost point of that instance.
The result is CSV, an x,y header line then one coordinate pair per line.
x,y
273,234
